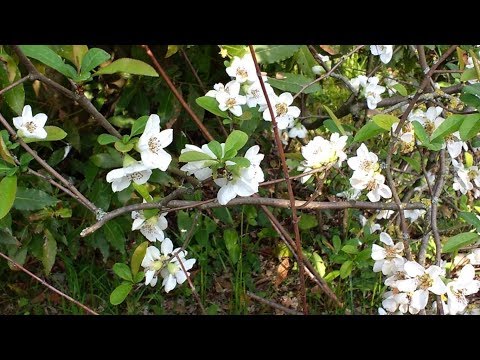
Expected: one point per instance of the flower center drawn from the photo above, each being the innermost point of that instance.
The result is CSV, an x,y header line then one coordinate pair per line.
x,y
231,103
157,265
134,176
30,126
281,109
255,93
154,144
390,252
429,126
372,184
242,73
148,227
172,268
425,281
367,165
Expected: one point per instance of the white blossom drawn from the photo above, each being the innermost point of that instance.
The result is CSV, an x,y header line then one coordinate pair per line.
x,y
122,178
359,81
152,263
457,289
231,100
474,257
152,142
297,130
200,169
372,92
243,69
151,228
30,126
172,273
255,95
430,120
375,184
385,52
372,226
365,163
284,113
388,259
413,215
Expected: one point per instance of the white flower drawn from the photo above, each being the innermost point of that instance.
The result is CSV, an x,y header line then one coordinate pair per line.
x,y
365,163
245,183
231,100
372,92
172,272
462,181
375,184
242,69
388,259
430,120
284,113
385,52
122,178
152,142
350,194
31,126
373,226
384,214
152,262
421,282
407,137
317,69
200,169
358,81
413,215
151,228
298,130
457,289
455,145
474,257
444,306
394,300
255,95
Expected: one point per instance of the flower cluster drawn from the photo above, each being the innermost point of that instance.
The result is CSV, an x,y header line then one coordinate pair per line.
x,y
465,178
369,88
411,284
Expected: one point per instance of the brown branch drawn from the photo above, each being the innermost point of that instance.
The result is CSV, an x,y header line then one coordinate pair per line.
x,y
179,97
43,282
80,99
192,287
273,304
291,195
12,85
47,167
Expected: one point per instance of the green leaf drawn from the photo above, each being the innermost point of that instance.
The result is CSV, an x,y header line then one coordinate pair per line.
x,y
138,256
142,189
123,271
385,121
49,252
171,50
216,148
294,83
48,57
270,54
305,60
14,97
400,89
235,50
331,126
193,156
105,139
346,269
93,58
307,221
470,126
106,161
241,161
334,118
471,219
73,53
318,264
8,190
350,249
235,141
472,89
456,242
413,162
54,133
138,126
123,148
120,293
449,126
211,104
337,243
368,131
471,100
33,199
469,74
8,239
231,242
138,277
5,153
420,133
129,66
115,235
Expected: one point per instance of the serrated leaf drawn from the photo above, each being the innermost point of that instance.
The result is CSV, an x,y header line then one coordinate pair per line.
x,y
456,242
5,153
307,221
211,104
137,257
120,293
471,219
115,235
48,57
105,139
270,54
294,83
334,118
448,126
49,252
33,199
368,131
129,66
349,249
193,156
8,190
123,271
235,141
385,121
470,126
93,58
346,269
54,133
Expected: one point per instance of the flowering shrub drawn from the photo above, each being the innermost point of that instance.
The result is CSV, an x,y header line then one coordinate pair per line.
x,y
361,176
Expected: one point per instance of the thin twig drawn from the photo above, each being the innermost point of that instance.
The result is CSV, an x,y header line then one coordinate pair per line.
x,y
179,97
15,83
192,287
291,196
273,304
43,282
